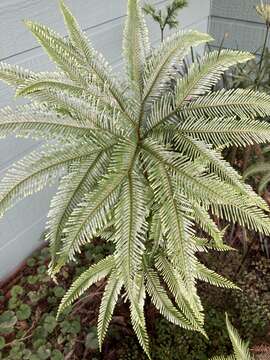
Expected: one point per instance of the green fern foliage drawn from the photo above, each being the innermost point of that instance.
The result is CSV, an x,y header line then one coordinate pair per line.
x,y
240,348
139,163
260,168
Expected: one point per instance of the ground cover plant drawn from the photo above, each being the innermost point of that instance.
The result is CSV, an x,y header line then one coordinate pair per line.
x,y
140,165
38,335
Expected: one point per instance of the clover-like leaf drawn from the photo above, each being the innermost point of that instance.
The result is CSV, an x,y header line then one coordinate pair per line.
x,y
91,340
7,321
23,312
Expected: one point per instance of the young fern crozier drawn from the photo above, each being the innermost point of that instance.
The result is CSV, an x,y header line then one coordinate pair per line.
x,y
139,164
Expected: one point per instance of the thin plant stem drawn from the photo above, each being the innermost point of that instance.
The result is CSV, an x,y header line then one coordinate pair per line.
x,y
262,54
162,34
264,46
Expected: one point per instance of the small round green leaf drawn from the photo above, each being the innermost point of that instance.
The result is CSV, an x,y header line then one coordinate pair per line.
x,y
24,312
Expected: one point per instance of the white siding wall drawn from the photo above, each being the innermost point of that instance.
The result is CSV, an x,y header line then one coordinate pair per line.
x,y
237,18
21,228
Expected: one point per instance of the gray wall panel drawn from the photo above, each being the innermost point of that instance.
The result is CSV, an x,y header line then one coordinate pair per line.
x,y
237,18
236,9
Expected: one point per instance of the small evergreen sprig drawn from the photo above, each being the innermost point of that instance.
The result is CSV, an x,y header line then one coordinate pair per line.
x,y
168,17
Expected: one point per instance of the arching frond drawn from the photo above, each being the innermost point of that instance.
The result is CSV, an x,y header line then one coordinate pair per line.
x,y
199,80
137,295
204,75
163,303
241,351
216,164
236,102
99,67
188,303
210,276
93,213
40,123
244,212
77,37
161,64
15,75
226,131
73,187
135,45
240,348
131,227
38,85
66,57
89,277
108,303
204,220
35,171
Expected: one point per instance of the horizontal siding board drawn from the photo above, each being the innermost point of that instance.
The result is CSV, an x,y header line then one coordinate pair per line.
x,y
239,35
25,213
20,229
20,247
236,9
17,39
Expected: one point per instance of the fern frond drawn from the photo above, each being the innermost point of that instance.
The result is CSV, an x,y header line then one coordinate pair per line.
x,y
15,75
137,295
205,222
226,131
66,57
210,276
108,303
204,244
243,211
204,75
131,227
35,171
155,232
135,45
239,347
160,66
95,61
216,164
41,123
77,37
175,223
163,303
198,81
92,214
37,85
95,273
88,113
185,300
73,187
235,102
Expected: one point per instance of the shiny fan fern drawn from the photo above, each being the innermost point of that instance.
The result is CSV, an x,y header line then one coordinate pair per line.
x,y
139,164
